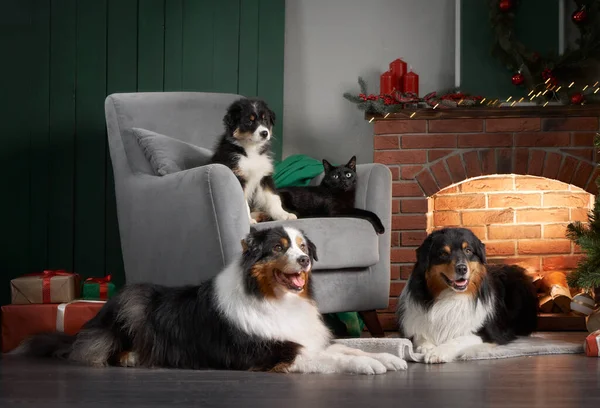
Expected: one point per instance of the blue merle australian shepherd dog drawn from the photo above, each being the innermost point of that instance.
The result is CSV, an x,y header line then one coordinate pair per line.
x,y
245,148
257,314
455,304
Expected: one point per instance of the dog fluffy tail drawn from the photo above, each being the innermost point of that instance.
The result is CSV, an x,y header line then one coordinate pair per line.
x,y
57,345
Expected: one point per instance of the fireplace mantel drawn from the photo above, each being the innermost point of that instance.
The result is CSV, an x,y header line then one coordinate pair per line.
x,y
485,112
438,148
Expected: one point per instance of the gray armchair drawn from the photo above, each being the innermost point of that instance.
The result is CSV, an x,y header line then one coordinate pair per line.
x,y
182,228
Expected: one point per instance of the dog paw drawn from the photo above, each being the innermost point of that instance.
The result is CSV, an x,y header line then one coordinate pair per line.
x,y
284,216
364,365
253,221
424,348
440,354
128,359
475,352
390,361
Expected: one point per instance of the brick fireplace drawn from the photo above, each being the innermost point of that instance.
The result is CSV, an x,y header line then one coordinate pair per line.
x,y
515,176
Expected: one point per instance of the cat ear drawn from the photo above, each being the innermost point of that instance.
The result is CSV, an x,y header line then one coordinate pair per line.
x,y
352,163
327,166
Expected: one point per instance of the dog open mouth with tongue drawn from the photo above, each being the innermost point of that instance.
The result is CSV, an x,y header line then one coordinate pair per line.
x,y
458,285
293,281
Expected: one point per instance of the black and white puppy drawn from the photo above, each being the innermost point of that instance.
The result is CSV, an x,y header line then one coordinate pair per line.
x,y
245,148
453,302
257,314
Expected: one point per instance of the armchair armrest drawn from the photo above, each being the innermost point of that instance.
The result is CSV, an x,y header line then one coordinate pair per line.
x,y
374,193
183,227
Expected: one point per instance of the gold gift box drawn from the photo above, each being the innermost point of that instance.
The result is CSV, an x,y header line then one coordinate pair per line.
x,y
46,287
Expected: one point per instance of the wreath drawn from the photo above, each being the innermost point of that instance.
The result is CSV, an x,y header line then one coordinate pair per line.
x,y
558,77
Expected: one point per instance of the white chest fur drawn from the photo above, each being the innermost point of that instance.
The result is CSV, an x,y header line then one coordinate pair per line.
x,y
253,168
452,315
290,318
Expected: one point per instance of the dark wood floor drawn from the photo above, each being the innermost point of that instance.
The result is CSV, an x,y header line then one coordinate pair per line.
x,y
545,381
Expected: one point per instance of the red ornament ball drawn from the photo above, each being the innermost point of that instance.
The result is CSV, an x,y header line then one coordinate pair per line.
x,y
505,5
577,99
518,79
579,16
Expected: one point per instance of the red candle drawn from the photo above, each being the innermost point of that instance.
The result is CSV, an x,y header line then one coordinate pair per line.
x,y
398,69
386,83
410,82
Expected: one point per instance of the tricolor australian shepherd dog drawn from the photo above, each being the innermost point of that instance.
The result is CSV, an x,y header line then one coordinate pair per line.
x,y
453,301
257,314
245,148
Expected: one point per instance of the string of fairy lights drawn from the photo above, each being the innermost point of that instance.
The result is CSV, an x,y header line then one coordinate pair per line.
x,y
533,95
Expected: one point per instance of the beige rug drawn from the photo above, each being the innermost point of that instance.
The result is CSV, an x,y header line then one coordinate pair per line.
x,y
523,346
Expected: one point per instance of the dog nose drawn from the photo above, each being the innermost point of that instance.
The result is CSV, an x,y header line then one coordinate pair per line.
x,y
264,133
304,261
461,269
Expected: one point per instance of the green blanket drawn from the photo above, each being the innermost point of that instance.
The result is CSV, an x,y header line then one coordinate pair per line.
x,y
299,170
296,170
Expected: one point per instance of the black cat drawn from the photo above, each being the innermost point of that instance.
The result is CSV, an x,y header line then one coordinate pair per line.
x,y
334,197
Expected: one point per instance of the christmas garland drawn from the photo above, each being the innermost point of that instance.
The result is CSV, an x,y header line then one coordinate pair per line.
x,y
380,104
452,99
555,76
390,103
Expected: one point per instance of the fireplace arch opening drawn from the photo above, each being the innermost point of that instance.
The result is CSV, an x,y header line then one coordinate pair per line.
x,y
521,219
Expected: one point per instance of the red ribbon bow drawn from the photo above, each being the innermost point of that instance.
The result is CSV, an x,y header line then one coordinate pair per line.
x,y
103,282
46,277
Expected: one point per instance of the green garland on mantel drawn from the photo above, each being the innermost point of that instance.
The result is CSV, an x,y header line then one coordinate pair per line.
x,y
396,102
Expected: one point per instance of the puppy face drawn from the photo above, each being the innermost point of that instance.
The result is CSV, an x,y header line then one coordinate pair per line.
x,y
250,122
278,261
452,258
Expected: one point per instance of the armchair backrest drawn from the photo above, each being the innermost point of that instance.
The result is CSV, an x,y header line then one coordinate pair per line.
x,y
193,117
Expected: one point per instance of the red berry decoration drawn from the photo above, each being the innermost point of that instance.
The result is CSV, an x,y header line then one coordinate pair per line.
x,y
518,79
547,73
388,100
576,99
505,5
579,16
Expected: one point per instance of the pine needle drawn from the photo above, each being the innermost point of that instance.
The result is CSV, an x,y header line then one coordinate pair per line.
x,y
363,85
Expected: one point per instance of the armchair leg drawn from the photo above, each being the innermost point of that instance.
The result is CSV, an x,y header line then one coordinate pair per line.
x,y
372,322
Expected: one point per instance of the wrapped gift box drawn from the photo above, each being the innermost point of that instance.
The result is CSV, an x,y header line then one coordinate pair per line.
x,y
22,321
45,287
98,288
592,344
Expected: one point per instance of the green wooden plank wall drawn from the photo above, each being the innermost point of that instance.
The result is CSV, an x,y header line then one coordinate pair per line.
x,y
62,57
